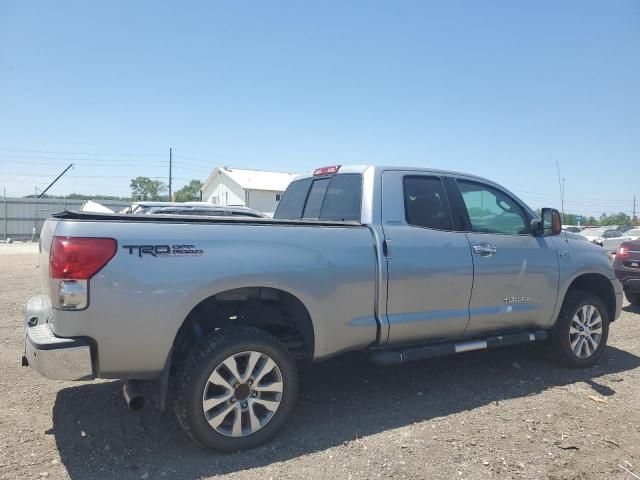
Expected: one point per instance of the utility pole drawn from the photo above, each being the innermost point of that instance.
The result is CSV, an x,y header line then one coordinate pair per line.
x,y
35,213
561,185
170,165
634,219
4,196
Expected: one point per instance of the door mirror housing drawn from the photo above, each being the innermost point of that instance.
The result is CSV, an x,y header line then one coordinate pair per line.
x,y
548,224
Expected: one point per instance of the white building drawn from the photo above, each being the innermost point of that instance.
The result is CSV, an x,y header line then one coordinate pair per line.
x,y
250,188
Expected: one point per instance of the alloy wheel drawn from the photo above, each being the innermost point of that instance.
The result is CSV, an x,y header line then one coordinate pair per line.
x,y
242,394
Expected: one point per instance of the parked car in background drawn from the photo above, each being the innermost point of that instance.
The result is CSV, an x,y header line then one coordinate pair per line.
x,y
627,268
145,206
208,210
607,237
625,228
634,233
572,228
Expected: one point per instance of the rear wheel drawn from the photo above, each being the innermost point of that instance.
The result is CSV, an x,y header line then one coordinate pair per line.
x,y
633,298
581,331
236,389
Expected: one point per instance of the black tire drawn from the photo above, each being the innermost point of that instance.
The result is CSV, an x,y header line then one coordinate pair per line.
x,y
193,375
559,341
632,298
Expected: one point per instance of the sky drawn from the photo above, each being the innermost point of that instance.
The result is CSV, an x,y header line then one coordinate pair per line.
x,y
501,89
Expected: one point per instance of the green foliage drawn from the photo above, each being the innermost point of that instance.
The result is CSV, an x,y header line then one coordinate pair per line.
x,y
619,218
144,188
81,196
190,192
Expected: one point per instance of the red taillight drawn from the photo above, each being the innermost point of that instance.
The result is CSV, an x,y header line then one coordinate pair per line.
x,y
79,258
622,252
326,170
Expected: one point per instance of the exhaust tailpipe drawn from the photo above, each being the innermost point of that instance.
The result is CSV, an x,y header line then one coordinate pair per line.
x,y
133,395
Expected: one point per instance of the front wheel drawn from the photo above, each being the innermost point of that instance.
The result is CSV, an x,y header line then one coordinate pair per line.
x,y
581,331
236,389
633,298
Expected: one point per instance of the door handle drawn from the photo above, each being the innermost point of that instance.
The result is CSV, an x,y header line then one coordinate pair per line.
x,y
386,248
484,249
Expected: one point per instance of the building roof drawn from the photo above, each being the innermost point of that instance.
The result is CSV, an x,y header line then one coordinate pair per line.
x,y
254,179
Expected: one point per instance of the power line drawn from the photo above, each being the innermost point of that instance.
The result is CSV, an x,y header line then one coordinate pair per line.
x,y
83,164
78,176
84,153
66,159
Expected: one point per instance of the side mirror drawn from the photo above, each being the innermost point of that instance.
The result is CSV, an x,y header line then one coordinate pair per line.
x,y
549,224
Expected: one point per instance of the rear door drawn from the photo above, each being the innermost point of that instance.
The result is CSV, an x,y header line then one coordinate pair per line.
x,y
429,265
516,274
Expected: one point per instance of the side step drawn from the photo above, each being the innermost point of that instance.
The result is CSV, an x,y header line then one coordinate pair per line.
x,y
411,354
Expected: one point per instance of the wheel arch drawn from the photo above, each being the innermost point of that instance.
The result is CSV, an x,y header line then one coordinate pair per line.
x,y
599,285
275,310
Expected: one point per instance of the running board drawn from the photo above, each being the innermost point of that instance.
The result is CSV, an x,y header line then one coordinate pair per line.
x,y
411,354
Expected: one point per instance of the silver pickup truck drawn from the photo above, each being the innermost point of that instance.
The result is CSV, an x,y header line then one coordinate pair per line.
x,y
210,315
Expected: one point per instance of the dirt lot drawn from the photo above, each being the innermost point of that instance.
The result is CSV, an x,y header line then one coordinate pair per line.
x,y
501,414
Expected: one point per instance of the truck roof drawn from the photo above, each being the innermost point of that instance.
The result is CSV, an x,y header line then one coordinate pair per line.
x,y
361,169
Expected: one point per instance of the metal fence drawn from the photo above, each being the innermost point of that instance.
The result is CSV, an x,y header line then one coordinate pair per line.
x,y
22,218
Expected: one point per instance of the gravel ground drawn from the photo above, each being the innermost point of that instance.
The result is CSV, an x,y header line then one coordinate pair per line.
x,y
501,414
18,248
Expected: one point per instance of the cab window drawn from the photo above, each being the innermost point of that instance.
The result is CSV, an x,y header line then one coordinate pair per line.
x,y
425,203
492,211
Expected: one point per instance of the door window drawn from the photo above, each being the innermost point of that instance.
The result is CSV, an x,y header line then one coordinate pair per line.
x,y
492,211
425,203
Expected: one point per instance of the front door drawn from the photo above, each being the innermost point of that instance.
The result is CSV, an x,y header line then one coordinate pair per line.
x,y
516,274
429,265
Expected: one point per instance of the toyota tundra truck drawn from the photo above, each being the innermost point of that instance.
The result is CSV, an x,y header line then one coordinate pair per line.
x,y
210,317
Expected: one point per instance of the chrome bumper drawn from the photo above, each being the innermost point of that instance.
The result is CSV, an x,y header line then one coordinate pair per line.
x,y
55,357
37,311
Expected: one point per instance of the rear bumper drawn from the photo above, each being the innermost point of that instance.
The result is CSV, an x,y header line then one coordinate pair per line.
x,y
55,357
632,285
628,277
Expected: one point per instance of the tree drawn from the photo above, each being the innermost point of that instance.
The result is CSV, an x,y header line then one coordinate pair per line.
x,y
620,218
143,188
190,192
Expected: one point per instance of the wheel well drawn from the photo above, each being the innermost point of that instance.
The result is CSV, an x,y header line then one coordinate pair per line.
x,y
275,311
600,286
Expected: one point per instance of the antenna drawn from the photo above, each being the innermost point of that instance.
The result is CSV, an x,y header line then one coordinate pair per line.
x,y
561,185
57,178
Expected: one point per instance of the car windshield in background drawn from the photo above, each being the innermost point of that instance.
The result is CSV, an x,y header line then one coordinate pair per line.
x,y
335,198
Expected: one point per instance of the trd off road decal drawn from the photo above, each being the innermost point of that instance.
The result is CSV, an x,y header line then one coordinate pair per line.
x,y
164,250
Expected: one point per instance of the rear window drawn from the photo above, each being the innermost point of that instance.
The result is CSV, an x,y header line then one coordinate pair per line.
x,y
335,198
293,199
315,198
